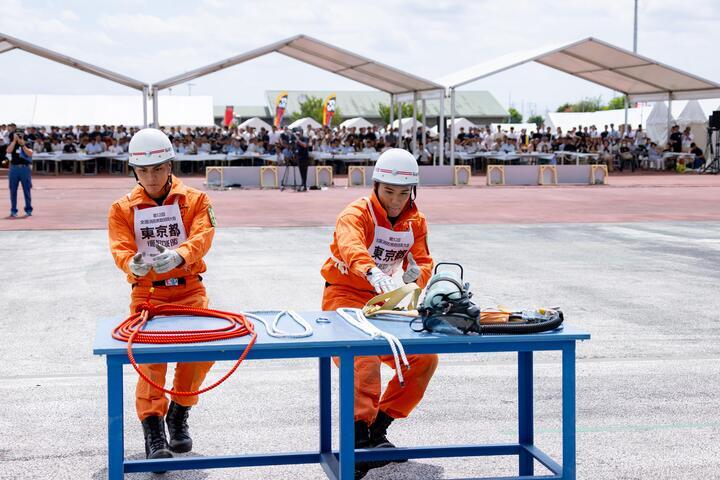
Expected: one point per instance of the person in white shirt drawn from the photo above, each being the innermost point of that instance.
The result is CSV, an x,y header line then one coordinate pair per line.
x,y
95,147
687,139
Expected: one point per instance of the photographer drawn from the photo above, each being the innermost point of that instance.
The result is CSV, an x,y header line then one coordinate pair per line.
x,y
20,171
302,156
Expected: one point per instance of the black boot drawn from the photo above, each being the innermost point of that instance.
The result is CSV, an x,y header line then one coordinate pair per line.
x,y
176,419
378,432
362,440
156,445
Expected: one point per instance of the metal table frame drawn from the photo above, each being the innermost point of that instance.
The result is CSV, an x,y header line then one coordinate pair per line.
x,y
339,465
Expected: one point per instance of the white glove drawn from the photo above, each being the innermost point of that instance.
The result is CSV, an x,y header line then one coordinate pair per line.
x,y
381,281
167,260
413,271
138,266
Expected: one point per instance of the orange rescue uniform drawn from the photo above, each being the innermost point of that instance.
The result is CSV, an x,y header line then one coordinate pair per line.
x,y
198,220
347,286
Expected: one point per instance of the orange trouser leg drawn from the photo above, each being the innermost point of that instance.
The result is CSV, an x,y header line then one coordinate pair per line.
x,y
188,376
397,401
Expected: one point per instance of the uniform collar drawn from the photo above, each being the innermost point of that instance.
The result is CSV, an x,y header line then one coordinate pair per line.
x,y
381,214
138,195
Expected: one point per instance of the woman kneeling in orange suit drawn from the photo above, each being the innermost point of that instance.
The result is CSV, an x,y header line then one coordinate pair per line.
x,y
374,238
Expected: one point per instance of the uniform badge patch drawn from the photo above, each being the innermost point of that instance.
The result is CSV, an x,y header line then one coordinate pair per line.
x,y
213,220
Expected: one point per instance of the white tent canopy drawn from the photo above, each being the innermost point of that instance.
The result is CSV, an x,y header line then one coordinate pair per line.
x,y
304,122
461,122
692,114
8,43
567,120
322,55
327,57
657,123
641,78
357,122
406,123
65,110
255,123
517,127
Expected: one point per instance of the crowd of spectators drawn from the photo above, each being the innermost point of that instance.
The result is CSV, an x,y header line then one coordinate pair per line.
x,y
622,147
618,148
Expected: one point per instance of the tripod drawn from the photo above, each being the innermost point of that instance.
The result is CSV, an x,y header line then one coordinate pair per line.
x,y
714,153
289,165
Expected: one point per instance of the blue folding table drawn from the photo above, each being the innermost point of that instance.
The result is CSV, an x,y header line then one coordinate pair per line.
x,y
339,339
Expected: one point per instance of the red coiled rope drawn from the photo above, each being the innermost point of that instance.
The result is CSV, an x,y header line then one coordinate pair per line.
x,y
131,330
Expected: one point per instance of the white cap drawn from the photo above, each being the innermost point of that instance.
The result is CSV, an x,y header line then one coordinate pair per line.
x,y
149,147
396,166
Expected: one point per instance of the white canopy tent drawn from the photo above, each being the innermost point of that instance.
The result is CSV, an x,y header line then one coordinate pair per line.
x,y
399,84
255,123
694,117
567,120
640,78
357,122
65,110
304,122
461,122
658,123
8,43
406,125
517,127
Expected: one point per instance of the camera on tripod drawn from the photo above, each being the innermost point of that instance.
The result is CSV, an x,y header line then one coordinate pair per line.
x,y
713,143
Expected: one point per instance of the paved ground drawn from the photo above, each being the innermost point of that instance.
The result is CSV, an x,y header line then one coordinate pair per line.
x,y
647,381
68,202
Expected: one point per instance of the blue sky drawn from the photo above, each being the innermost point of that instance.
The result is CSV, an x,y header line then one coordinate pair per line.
x,y
154,40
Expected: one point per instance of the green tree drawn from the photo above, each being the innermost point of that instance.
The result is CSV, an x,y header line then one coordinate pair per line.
x,y
588,104
536,119
312,107
515,116
384,111
616,103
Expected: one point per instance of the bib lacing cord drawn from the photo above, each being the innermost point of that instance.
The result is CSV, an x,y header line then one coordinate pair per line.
x,y
131,330
356,318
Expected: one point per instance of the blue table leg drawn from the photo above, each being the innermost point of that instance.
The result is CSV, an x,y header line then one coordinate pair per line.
x,y
525,411
116,443
568,410
347,417
325,405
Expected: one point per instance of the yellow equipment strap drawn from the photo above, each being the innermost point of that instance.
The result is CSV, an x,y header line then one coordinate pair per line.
x,y
388,302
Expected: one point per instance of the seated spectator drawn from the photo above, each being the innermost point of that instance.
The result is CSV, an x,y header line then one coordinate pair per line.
x,y
97,146
626,155
654,156
699,156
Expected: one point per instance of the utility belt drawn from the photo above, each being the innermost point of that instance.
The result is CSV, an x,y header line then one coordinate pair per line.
x,y
171,282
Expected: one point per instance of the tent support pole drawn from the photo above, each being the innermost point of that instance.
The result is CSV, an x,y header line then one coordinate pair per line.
x,y
400,136
144,104
452,127
669,115
392,111
424,122
625,101
441,129
156,114
414,124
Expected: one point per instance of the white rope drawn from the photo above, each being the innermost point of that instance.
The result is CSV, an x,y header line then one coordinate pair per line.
x,y
356,318
274,331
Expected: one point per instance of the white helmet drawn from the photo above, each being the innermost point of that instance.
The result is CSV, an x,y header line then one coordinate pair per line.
x,y
396,166
149,147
